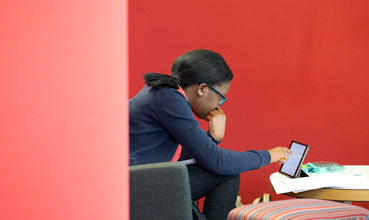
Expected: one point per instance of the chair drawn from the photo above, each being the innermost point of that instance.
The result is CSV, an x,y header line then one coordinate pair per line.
x,y
297,209
160,191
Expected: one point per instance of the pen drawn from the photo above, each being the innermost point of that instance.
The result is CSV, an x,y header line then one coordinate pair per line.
x,y
283,159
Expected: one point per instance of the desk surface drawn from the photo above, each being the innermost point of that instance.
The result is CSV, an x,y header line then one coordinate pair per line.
x,y
345,195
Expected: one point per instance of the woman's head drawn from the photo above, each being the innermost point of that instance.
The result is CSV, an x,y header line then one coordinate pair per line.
x,y
206,78
203,74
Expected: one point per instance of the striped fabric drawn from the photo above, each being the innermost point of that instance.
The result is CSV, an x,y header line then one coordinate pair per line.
x,y
299,209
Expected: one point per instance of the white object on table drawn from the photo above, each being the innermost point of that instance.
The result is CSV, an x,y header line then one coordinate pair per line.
x,y
353,177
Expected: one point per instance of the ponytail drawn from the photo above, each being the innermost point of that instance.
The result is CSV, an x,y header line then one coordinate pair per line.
x,y
157,80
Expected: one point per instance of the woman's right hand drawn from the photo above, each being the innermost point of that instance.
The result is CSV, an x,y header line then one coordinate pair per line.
x,y
279,154
217,123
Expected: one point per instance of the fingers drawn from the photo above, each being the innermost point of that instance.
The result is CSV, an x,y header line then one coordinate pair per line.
x,y
220,110
217,122
216,111
288,151
280,154
285,156
213,113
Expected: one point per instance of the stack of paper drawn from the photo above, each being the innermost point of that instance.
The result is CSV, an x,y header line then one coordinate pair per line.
x,y
283,184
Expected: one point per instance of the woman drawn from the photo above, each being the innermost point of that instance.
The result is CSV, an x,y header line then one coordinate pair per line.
x,y
162,118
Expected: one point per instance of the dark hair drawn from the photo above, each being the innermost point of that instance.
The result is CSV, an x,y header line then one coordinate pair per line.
x,y
157,80
194,67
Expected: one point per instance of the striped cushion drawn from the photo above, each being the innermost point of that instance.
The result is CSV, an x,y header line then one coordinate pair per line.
x,y
298,209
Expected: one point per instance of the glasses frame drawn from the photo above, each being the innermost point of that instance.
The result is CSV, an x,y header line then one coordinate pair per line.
x,y
222,101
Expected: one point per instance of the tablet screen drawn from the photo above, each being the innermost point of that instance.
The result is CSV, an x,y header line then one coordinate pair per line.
x,y
292,166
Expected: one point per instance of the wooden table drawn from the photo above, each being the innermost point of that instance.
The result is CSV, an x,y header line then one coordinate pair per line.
x,y
342,195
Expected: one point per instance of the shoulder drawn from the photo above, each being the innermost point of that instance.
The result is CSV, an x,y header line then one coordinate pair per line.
x,y
158,99
169,101
166,92
167,95
158,94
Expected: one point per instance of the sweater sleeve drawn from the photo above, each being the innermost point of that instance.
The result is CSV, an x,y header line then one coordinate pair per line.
x,y
212,138
176,116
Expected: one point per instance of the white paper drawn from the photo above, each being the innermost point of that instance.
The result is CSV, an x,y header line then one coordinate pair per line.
x,y
282,184
279,186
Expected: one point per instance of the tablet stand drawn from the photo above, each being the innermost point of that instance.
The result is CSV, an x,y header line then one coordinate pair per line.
x,y
302,174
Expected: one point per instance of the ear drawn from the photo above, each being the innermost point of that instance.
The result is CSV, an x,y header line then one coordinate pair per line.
x,y
202,89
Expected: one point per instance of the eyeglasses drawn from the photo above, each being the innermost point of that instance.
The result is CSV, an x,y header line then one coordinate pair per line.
x,y
221,96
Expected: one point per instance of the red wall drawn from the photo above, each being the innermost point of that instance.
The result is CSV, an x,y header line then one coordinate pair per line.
x,y
301,71
63,116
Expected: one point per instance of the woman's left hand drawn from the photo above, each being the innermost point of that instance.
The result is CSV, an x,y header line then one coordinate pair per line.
x,y
217,122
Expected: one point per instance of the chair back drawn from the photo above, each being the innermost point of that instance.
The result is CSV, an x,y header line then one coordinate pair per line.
x,y
160,191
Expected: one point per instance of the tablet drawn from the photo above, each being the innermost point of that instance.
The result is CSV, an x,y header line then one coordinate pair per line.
x,y
292,167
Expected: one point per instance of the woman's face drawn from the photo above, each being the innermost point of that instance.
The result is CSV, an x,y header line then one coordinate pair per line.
x,y
207,99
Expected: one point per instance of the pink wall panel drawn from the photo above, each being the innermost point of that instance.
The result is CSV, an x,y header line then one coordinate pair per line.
x,y
301,71
63,89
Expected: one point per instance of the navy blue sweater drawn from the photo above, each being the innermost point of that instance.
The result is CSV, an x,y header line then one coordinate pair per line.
x,y
162,118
